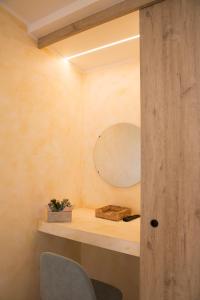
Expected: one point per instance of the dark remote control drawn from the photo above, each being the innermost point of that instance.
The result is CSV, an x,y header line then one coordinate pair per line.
x,y
130,218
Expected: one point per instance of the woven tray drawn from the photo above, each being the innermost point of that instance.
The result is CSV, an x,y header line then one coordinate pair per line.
x,y
112,212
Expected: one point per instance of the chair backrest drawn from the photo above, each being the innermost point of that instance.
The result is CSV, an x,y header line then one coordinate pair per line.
x,y
63,279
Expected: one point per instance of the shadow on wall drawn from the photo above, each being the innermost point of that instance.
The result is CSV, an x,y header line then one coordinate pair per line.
x,y
115,268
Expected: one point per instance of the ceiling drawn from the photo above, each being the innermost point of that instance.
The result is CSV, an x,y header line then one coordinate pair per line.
x,y
107,33
32,11
44,16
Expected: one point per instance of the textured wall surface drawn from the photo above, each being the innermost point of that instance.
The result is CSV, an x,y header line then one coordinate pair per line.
x,y
40,153
111,95
50,117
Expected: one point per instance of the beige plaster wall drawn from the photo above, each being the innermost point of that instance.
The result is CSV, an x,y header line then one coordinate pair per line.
x,y
50,117
111,95
40,115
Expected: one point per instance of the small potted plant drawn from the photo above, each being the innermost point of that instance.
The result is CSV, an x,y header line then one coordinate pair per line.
x,y
59,211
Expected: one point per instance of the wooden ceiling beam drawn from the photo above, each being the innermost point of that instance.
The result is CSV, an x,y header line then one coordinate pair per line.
x,y
113,12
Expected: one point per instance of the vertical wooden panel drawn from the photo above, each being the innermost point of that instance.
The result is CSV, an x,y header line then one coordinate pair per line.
x,y
170,89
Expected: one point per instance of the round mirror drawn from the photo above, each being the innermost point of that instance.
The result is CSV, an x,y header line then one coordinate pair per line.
x,y
117,155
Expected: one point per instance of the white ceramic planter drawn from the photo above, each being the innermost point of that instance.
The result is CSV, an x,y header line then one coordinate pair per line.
x,y
60,216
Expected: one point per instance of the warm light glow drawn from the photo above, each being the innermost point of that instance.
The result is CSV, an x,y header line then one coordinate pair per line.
x,y
103,47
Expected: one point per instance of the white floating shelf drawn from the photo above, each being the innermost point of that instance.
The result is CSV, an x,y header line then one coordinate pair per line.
x,y
123,237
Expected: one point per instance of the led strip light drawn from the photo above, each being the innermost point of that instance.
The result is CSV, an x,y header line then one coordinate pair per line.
x,y
103,47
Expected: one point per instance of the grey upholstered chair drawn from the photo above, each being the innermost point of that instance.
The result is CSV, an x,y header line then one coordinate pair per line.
x,y
63,279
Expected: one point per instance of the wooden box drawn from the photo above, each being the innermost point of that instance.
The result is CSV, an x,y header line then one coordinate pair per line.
x,y
63,216
112,212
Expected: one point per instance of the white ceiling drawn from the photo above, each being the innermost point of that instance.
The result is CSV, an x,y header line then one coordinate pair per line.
x,y
31,11
44,16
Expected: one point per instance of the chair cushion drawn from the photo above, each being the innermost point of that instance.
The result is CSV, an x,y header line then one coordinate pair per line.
x,y
105,291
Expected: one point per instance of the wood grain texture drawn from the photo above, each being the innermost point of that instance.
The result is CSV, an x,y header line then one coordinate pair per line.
x,y
115,11
170,91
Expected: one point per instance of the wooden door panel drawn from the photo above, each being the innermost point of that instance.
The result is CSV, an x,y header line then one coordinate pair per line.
x,y
170,95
